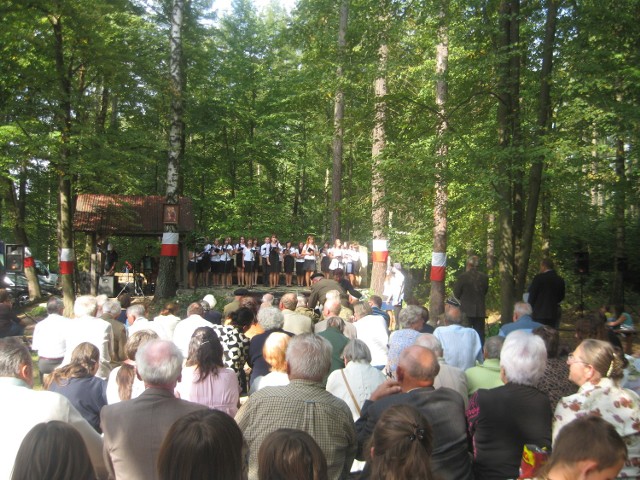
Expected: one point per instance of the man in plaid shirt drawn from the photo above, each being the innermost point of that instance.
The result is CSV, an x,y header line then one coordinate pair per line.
x,y
305,405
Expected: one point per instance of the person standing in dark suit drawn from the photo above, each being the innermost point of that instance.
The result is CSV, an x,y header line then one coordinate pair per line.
x,y
545,294
471,289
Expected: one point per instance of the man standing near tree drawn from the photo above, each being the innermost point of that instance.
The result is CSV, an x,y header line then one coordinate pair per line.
x,y
471,289
545,294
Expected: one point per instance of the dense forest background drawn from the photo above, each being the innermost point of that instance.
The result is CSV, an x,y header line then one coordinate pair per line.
x,y
504,128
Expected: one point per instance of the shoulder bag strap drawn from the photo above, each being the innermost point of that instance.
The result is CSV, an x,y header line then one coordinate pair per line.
x,y
353,397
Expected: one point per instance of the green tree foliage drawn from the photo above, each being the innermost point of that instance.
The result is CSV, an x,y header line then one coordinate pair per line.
x,y
258,112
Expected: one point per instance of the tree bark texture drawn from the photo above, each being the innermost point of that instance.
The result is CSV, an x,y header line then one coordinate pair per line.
x,y
338,126
537,167
508,86
437,294
379,213
166,283
620,261
64,123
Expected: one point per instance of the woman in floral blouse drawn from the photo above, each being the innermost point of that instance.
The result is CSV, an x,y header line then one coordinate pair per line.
x,y
597,368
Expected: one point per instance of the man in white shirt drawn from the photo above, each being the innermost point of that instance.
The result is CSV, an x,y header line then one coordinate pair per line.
x,y
185,328
461,345
137,321
49,337
21,409
372,330
85,327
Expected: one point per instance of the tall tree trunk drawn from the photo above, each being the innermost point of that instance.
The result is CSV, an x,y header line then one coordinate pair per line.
x,y
166,283
64,123
436,297
543,125
508,110
620,264
378,209
21,236
515,61
545,225
491,242
338,126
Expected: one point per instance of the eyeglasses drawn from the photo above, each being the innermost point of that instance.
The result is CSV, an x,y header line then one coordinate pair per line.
x,y
573,359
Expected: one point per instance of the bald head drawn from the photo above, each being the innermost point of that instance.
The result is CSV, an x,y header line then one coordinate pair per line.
x,y
418,367
452,315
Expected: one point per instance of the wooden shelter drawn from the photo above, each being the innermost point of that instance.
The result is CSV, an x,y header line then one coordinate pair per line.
x,y
104,216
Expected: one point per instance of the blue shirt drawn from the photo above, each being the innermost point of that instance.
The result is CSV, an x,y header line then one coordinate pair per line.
x,y
461,345
525,323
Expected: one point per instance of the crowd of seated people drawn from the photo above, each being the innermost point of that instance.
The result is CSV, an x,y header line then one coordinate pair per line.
x,y
322,405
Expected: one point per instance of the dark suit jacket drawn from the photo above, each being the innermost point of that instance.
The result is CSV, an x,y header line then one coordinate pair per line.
x,y
135,429
471,288
444,408
319,291
507,418
545,294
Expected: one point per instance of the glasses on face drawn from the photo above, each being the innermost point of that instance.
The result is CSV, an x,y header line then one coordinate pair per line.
x,y
574,359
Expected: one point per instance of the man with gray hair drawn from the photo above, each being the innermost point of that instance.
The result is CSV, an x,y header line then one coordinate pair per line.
x,y
22,408
134,430
185,328
137,320
305,405
302,308
461,345
49,337
85,327
411,322
444,409
294,323
449,376
333,308
521,320
110,312
507,417
487,374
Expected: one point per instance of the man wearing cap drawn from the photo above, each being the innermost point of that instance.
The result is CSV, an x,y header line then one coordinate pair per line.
x,y
319,288
461,345
235,304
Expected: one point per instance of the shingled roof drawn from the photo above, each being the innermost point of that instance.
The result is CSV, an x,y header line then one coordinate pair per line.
x,y
126,214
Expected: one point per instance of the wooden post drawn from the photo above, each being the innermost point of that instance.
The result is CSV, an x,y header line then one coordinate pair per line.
x,y
94,267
